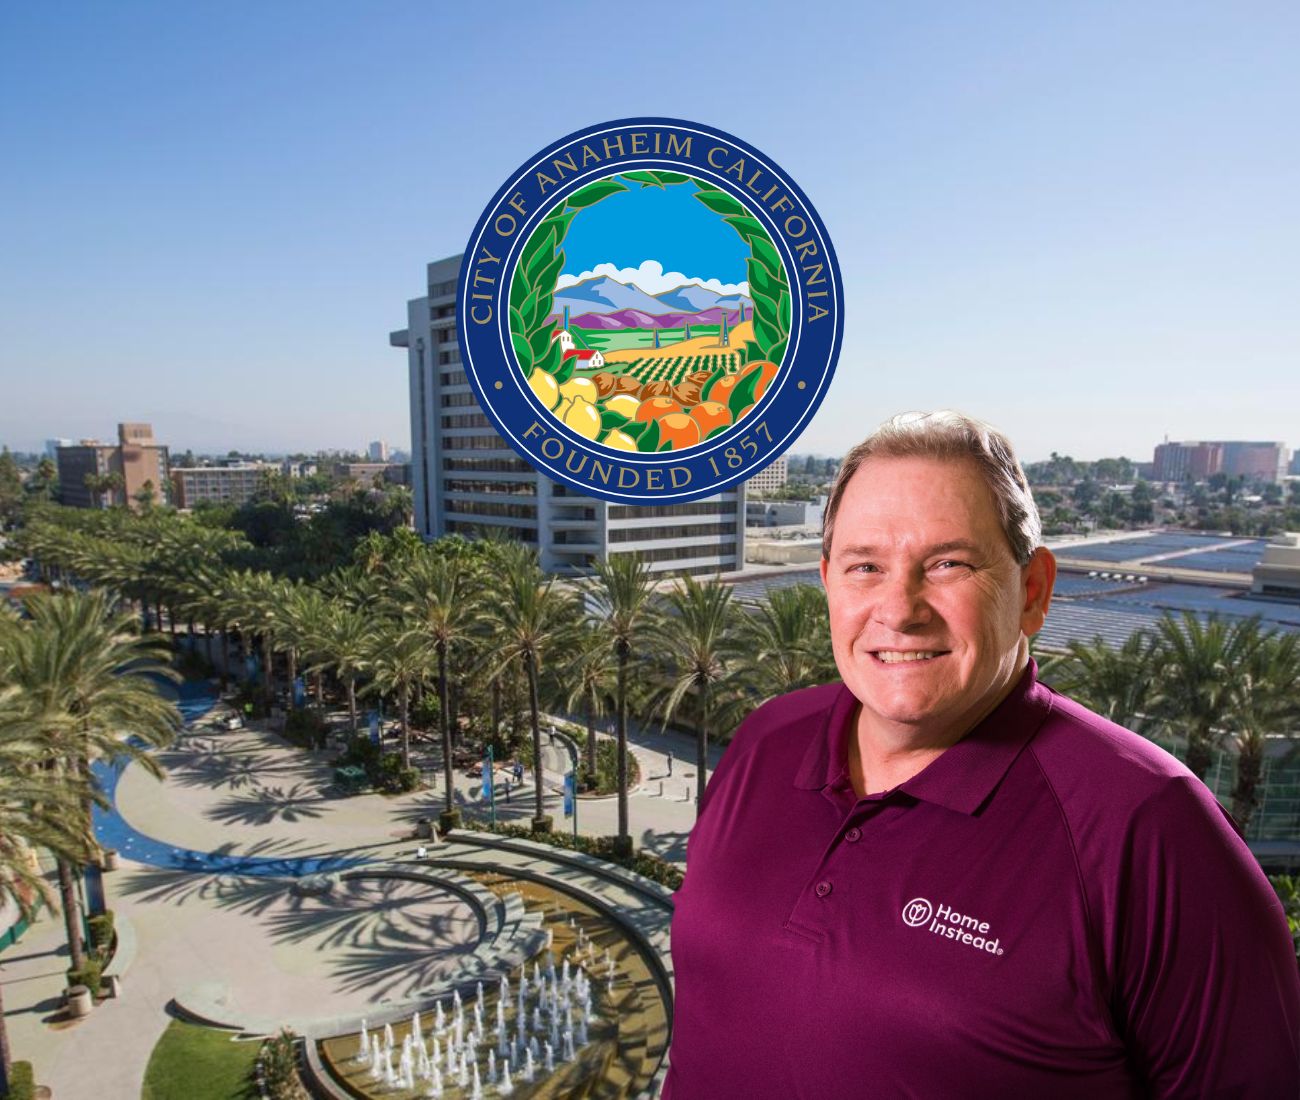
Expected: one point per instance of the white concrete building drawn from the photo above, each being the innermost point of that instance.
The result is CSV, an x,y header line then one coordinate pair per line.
x,y
772,477
465,477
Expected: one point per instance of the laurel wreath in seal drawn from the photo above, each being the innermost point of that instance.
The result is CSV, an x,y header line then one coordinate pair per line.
x,y
532,290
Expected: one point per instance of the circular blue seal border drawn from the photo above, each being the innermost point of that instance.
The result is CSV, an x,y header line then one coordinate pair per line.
x,y
816,328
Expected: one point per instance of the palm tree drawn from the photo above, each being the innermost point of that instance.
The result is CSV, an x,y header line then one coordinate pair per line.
x,y
619,600
784,644
532,621
1116,683
697,640
83,676
590,673
441,595
38,808
1197,664
1265,700
344,642
398,660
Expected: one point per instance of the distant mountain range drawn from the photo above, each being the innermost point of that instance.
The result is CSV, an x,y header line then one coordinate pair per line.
x,y
602,302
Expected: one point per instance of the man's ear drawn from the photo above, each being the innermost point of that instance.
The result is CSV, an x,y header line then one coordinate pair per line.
x,y
1038,578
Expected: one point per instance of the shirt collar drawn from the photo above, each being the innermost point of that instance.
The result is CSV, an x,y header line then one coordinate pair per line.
x,y
961,778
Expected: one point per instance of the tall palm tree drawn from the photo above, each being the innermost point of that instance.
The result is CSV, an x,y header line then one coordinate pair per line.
x,y
38,808
1196,666
443,597
398,661
1116,683
697,640
83,676
784,644
1265,700
620,604
591,674
344,643
533,620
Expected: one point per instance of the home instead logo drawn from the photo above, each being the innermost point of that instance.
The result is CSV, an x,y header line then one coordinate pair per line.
x,y
947,922
650,311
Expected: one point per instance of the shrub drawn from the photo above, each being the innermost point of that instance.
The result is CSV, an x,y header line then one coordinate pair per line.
x,y
88,975
425,712
394,777
1288,892
101,933
305,728
278,1067
22,1082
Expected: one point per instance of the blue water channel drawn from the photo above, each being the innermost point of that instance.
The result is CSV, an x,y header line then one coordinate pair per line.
x,y
194,701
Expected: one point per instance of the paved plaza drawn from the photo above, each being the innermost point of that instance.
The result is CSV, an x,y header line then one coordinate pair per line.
x,y
210,889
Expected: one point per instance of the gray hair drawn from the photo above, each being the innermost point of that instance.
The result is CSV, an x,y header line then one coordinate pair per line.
x,y
950,436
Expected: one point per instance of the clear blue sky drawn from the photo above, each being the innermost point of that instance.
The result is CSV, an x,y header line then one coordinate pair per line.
x,y
1078,220
669,225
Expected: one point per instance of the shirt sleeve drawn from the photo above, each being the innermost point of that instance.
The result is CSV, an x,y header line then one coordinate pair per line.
x,y
1207,989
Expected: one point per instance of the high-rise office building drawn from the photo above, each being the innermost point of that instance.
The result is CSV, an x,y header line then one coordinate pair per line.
x,y
377,451
465,477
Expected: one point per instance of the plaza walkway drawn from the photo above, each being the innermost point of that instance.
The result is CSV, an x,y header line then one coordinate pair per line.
x,y
209,857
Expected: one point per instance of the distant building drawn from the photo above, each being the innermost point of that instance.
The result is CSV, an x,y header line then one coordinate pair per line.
x,y
771,478
377,451
235,485
465,477
1199,461
293,469
1187,461
1256,461
785,513
371,474
125,471
52,447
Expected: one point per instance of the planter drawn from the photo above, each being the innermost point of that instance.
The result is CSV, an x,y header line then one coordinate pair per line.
x,y
79,1001
109,860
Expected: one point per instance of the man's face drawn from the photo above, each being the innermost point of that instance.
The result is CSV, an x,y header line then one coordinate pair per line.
x,y
928,609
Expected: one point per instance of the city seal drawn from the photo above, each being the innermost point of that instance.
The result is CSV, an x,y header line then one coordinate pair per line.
x,y
650,311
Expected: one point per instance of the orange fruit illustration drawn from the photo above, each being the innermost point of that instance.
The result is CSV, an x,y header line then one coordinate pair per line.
x,y
678,429
710,415
652,408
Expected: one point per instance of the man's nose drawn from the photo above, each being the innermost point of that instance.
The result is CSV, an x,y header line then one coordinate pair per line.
x,y
901,602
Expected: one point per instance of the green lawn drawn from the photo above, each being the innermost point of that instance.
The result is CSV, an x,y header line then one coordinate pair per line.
x,y
199,1063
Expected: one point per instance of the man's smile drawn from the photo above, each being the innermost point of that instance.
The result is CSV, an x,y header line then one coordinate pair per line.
x,y
902,656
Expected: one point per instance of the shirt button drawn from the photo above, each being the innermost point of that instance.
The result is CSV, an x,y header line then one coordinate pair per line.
x,y
823,888
853,835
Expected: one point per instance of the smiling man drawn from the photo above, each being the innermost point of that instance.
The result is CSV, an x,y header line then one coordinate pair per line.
x,y
942,879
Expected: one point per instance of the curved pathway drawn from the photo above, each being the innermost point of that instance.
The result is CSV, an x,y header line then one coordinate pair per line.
x,y
206,861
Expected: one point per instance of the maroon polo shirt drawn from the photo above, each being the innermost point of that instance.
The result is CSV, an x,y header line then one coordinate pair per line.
x,y
1054,907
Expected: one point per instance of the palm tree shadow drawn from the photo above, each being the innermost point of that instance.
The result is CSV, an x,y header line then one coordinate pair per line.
x,y
665,845
269,805
219,770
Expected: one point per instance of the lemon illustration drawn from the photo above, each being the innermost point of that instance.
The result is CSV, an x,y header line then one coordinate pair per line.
x,y
624,404
619,441
545,387
580,387
582,416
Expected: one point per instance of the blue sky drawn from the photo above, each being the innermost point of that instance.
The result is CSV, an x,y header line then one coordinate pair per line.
x,y
1077,220
668,225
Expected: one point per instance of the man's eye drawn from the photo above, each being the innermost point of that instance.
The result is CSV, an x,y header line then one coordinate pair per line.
x,y
949,564
865,567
